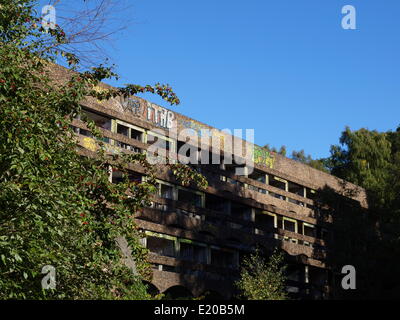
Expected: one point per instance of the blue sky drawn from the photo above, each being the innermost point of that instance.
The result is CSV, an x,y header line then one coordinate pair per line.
x,y
285,68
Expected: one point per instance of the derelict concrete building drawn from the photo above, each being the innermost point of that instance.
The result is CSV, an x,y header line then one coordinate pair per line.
x,y
197,238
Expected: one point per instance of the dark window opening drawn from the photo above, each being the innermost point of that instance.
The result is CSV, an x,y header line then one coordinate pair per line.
x,y
309,231
86,133
213,220
231,168
135,177
193,252
118,176
161,246
258,176
121,129
296,189
240,211
311,194
136,134
222,259
289,225
100,120
276,183
216,203
293,273
264,221
166,191
189,197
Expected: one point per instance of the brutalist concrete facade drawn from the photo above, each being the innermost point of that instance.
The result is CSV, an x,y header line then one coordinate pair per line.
x,y
198,238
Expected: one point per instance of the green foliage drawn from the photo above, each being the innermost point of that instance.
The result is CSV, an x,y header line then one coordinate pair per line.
x,y
365,158
371,160
262,280
282,151
56,207
308,160
188,176
319,164
368,240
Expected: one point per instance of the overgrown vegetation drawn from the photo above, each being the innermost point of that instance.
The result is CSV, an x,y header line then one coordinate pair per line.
x,y
56,207
261,279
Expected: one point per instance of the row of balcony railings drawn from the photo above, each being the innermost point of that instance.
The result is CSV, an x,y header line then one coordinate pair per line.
x,y
131,144
295,289
316,209
183,252
186,261
215,223
107,139
219,275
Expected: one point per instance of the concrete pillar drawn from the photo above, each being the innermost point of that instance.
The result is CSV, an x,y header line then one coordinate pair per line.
x,y
113,130
306,278
174,193
208,255
253,214
126,254
306,274
177,246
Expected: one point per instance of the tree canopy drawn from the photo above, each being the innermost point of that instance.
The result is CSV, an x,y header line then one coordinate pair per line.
x,y
58,207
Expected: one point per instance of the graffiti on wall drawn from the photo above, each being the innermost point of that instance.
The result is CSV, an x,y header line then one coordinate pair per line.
x,y
132,105
92,145
195,126
159,116
201,130
263,156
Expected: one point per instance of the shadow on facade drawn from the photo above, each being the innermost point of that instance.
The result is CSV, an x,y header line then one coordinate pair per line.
x,y
314,275
362,239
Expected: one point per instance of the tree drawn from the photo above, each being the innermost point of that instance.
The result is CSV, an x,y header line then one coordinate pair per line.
x,y
301,157
368,240
57,207
90,26
262,280
363,158
282,150
308,160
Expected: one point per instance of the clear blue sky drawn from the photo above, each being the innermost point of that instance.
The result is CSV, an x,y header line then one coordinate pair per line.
x,y
285,67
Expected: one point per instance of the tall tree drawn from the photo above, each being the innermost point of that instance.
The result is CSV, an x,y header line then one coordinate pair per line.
x,y
368,240
58,208
364,158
